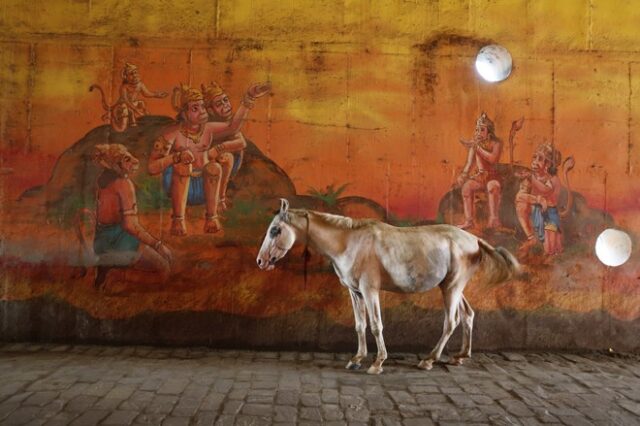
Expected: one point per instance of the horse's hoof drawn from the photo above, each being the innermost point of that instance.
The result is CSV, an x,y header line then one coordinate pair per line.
x,y
425,364
353,366
456,361
374,370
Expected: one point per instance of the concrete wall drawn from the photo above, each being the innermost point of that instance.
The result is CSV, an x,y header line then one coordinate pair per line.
x,y
370,94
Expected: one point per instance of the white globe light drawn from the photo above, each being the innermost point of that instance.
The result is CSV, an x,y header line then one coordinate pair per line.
x,y
493,63
613,247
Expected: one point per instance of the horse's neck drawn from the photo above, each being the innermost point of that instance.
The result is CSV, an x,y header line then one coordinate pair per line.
x,y
327,239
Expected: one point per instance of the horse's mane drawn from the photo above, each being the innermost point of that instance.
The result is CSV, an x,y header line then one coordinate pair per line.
x,y
342,222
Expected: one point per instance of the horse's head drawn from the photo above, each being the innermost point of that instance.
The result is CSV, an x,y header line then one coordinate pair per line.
x,y
279,239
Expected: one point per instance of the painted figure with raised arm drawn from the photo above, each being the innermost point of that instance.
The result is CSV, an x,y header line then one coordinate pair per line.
x,y
195,167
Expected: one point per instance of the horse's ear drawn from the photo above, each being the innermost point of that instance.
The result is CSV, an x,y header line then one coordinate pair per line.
x,y
284,210
284,205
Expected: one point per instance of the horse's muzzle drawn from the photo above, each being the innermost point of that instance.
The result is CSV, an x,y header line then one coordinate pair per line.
x,y
266,265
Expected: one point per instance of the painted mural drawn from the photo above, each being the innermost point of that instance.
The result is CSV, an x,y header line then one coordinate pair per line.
x,y
161,206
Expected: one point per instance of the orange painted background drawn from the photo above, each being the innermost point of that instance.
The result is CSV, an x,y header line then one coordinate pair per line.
x,y
375,95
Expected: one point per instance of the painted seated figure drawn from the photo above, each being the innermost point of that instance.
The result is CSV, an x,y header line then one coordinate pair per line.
x,y
195,156
480,172
220,109
130,90
120,240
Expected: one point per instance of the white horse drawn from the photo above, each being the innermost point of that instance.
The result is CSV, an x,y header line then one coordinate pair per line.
x,y
369,256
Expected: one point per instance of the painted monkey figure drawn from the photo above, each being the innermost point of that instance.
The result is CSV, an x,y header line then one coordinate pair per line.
x,y
541,220
120,240
195,169
480,172
128,108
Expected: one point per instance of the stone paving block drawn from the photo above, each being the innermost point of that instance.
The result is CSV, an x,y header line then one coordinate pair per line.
x,y
357,414
402,397
21,415
379,403
232,407
161,404
287,397
81,403
204,418
310,399
243,420
575,421
285,413
173,386
108,404
431,399
212,402
225,420
18,397
238,394
99,389
91,417
515,407
149,419
120,417
418,421
310,414
544,416
176,421
408,411
61,419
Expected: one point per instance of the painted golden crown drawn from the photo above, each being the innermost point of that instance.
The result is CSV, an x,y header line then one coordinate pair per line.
x,y
484,121
212,90
184,94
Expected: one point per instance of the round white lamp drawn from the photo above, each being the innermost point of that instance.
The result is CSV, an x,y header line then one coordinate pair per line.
x,y
493,63
613,247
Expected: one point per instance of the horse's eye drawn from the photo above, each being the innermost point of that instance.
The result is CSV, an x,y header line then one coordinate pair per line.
x,y
274,232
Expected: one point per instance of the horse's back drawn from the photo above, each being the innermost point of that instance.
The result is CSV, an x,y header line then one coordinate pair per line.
x,y
417,259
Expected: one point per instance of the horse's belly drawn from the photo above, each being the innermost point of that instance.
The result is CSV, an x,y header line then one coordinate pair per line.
x,y
411,281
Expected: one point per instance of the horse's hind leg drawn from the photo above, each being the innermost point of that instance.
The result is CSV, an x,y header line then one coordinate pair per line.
x,y
466,316
451,295
372,300
360,314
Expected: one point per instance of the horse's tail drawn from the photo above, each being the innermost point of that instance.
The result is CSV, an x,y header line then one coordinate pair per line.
x,y
498,264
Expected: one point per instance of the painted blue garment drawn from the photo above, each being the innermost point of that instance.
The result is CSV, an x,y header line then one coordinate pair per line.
x,y
195,195
541,219
237,161
114,245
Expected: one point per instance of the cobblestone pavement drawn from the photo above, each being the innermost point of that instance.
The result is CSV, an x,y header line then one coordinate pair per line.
x,y
87,385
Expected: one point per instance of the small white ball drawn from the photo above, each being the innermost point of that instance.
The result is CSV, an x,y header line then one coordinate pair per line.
x,y
613,247
494,63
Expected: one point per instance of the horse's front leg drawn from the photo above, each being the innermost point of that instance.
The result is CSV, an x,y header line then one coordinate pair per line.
x,y
359,312
372,300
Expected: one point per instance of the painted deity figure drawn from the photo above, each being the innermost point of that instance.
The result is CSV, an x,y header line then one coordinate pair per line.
x,y
540,218
220,109
120,240
195,156
480,172
130,90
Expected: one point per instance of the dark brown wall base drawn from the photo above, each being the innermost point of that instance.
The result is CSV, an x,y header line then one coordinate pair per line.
x,y
407,328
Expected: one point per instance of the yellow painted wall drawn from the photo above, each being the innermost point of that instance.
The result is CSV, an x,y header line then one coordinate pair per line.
x,y
364,87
